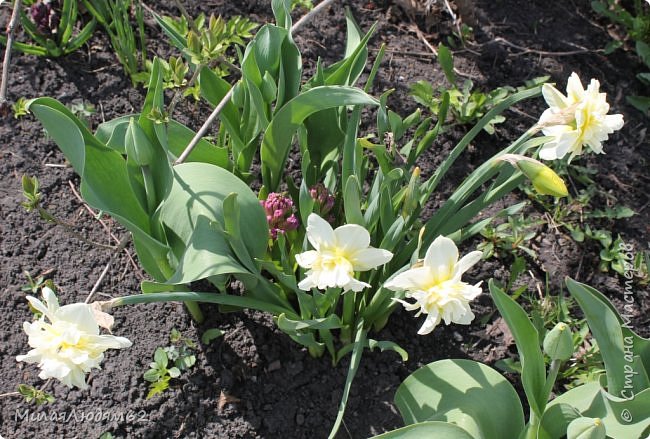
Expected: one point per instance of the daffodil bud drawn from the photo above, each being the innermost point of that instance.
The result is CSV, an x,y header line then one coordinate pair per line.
x,y
558,343
544,179
586,428
412,194
138,147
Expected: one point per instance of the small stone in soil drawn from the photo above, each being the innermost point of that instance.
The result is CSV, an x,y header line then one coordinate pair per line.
x,y
276,365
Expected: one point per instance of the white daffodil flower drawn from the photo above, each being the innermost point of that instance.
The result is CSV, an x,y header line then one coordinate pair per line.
x,y
580,118
436,287
337,255
69,346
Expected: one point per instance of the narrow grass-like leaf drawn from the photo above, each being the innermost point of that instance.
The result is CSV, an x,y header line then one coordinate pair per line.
x,y
533,374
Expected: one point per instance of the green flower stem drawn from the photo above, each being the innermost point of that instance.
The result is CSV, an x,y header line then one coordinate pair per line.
x,y
326,337
348,316
551,377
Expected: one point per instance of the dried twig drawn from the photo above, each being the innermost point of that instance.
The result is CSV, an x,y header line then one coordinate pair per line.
x,y
309,15
107,228
7,59
119,248
524,50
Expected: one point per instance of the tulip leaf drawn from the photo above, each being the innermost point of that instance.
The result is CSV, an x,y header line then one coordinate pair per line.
x,y
194,216
104,180
429,429
213,89
533,374
205,254
456,391
352,202
622,418
113,132
279,134
619,346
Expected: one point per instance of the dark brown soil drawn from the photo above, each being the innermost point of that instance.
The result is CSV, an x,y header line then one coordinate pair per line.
x,y
276,388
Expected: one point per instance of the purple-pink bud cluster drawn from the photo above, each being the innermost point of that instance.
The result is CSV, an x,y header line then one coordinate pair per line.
x,y
322,196
279,214
44,16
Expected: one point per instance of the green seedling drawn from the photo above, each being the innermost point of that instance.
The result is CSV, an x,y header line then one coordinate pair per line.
x,y
179,355
19,108
509,237
32,394
51,26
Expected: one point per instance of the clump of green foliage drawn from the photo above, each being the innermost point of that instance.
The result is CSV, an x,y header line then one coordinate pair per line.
x,y
634,18
51,28
169,362
115,17
466,103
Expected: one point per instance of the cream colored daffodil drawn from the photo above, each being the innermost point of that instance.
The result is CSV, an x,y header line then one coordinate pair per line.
x,y
337,255
69,345
436,287
578,119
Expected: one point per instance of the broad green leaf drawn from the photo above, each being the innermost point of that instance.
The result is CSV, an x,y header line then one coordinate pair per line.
x,y
263,54
352,202
104,180
623,418
429,429
213,89
619,345
112,133
206,253
533,374
281,12
196,202
458,391
279,134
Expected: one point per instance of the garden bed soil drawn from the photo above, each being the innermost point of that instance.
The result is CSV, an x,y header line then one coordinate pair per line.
x,y
254,381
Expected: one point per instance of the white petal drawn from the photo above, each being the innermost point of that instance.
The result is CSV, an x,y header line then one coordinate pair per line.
x,y
307,259
614,121
307,283
441,257
553,97
370,258
429,324
567,142
352,237
466,262
50,299
39,306
105,341
319,232
575,90
415,278
465,318
79,314
354,285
